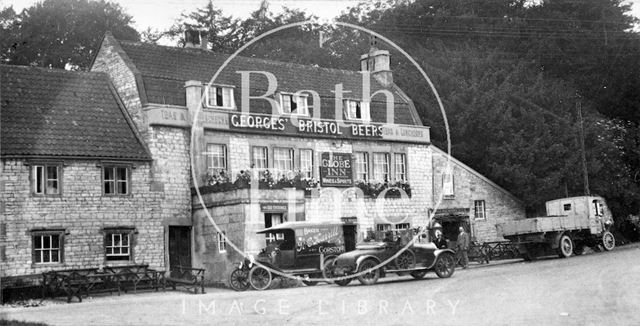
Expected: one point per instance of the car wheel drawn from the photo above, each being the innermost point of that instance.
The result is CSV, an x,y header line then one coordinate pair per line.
x,y
445,265
327,269
419,274
239,280
578,249
406,260
608,241
565,246
259,278
370,273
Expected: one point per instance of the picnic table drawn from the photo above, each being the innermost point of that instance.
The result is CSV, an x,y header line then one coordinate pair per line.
x,y
79,282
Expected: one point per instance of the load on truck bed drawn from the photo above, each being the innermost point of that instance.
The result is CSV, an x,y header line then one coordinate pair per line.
x,y
570,225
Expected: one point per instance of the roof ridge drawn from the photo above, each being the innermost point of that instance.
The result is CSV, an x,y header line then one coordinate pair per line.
x,y
54,70
262,60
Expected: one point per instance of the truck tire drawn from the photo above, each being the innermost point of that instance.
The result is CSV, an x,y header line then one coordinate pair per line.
x,y
565,246
608,241
578,249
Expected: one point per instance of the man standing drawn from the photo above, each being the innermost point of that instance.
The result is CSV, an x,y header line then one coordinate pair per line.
x,y
462,246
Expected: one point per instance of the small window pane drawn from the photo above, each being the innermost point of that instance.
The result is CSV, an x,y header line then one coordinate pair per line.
x,y
55,256
108,174
46,242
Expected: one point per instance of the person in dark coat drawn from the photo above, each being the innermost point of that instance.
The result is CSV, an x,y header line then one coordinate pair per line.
x,y
462,246
439,241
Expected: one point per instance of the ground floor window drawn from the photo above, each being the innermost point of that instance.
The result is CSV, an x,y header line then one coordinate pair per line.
x,y
383,227
479,210
403,226
118,244
222,242
47,247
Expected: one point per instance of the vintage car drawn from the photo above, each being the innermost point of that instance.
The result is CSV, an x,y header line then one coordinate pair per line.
x,y
377,257
300,249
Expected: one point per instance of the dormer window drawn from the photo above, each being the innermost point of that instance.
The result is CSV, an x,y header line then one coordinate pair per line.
x,y
357,110
219,97
294,104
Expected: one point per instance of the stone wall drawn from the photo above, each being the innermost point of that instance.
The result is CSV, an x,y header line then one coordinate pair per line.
x,y
112,60
470,186
83,212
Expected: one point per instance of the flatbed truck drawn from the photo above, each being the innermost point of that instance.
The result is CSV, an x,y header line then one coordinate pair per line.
x,y
571,225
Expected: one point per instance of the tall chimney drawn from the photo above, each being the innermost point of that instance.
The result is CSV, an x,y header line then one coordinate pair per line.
x,y
377,62
191,38
204,40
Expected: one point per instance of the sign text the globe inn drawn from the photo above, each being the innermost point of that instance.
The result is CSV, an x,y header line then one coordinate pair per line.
x,y
244,121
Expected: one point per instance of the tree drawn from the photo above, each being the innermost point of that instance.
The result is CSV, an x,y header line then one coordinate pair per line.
x,y
62,33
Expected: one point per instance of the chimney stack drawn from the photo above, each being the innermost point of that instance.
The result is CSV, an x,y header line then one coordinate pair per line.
x,y
191,38
204,40
377,62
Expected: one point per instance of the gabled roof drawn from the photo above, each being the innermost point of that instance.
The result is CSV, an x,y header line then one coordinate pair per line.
x,y
64,114
164,71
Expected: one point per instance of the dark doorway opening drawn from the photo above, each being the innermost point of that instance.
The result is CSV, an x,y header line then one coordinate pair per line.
x,y
179,247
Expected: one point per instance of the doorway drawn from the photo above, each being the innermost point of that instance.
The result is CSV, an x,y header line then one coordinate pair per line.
x,y
179,247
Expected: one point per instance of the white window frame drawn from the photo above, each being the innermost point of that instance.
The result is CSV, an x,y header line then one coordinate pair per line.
x,y
41,179
402,166
263,151
226,92
383,227
386,171
403,226
222,242
306,163
118,248
448,184
277,161
479,210
351,110
301,101
210,158
116,181
48,251
362,166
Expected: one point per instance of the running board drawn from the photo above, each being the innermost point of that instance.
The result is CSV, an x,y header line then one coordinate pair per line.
x,y
406,270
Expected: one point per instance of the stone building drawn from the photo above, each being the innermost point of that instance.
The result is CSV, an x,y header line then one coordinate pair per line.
x,y
75,184
317,144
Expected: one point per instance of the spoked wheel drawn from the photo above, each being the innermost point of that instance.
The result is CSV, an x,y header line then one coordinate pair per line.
x,y
370,273
419,274
445,265
608,241
239,279
406,260
259,278
565,247
327,269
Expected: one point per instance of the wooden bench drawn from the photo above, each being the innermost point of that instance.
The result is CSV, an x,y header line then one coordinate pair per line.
x,y
79,282
136,277
189,278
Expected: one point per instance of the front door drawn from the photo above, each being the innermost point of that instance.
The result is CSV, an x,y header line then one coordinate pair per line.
x,y
179,247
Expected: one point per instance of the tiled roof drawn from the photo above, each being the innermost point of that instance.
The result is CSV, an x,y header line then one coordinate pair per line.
x,y
164,71
58,113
